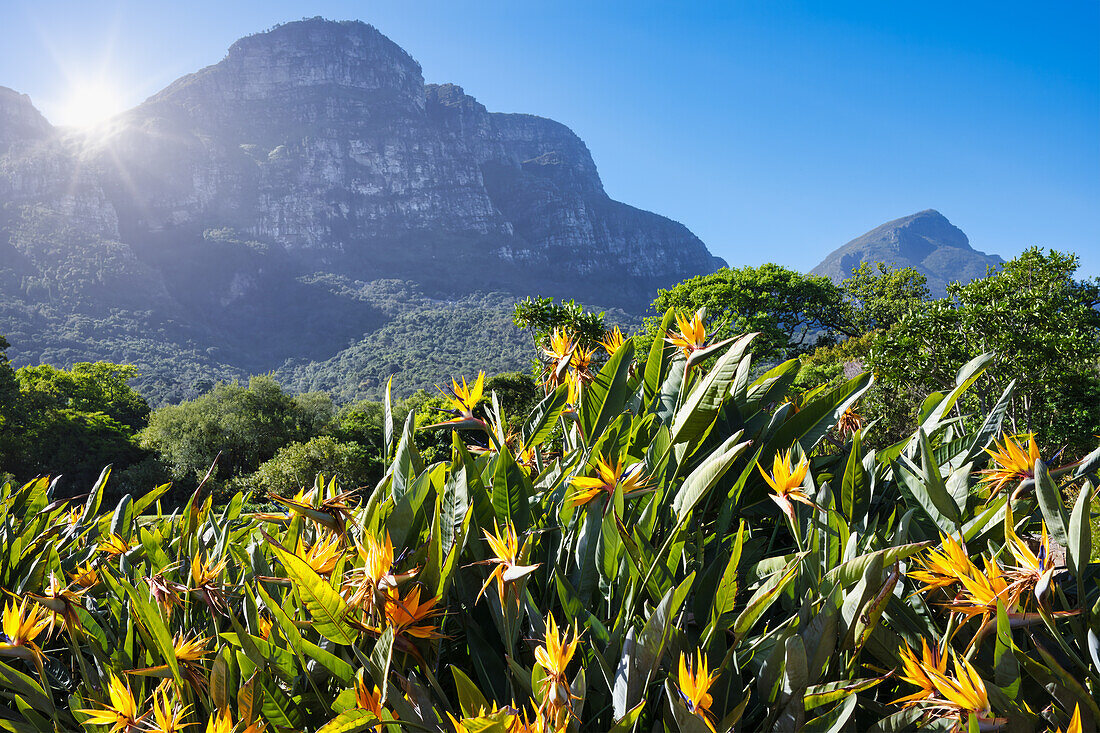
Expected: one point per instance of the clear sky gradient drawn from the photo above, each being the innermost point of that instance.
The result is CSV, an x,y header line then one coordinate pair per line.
x,y
776,131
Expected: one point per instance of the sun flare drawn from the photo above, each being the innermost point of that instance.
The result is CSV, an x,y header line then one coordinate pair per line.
x,y
89,104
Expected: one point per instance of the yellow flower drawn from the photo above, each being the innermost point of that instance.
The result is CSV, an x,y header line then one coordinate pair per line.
x,y
114,545
220,723
168,717
1032,570
190,651
1012,462
917,670
1074,723
694,682
368,584
332,514
323,555
612,341
608,476
205,571
367,699
61,602
692,335
949,696
85,576
506,551
409,616
121,713
462,398
581,362
206,582
787,482
966,690
558,353
554,657
22,626
943,569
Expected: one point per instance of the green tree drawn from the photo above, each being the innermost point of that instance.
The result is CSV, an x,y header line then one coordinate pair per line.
x,y
245,425
792,311
878,296
1043,325
542,316
70,423
295,466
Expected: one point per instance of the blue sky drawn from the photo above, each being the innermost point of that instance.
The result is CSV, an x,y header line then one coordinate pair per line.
x,y
776,131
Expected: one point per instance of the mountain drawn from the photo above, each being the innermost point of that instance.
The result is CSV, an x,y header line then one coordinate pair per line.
x,y
280,209
925,241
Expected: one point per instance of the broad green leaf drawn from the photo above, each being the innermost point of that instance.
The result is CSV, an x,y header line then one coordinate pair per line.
x,y
350,721
660,354
835,720
706,398
823,694
854,485
1051,504
544,418
703,478
606,395
327,609
1079,548
764,596
470,699
511,489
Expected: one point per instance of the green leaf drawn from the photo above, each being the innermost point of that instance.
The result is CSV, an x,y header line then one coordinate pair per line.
x,y
966,377
407,463
387,421
606,396
823,694
705,400
835,720
1006,669
470,699
1079,548
511,489
809,425
544,418
328,610
350,721
725,595
625,724
764,596
706,475
660,354
854,484
851,571
1051,504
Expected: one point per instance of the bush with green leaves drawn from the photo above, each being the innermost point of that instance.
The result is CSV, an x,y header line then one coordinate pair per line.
x,y
692,551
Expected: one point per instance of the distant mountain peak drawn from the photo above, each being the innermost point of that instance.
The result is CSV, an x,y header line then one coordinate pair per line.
x,y
925,241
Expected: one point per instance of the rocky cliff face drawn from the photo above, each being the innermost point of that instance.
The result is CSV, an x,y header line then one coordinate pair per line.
x,y
229,201
925,241
323,139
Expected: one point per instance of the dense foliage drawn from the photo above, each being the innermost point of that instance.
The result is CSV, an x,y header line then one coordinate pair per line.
x,y
1042,324
659,545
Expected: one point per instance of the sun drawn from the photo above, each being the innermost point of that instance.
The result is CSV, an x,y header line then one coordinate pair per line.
x,y
89,104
